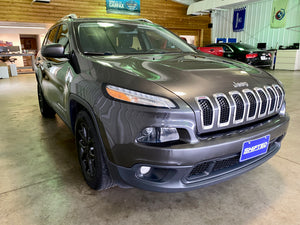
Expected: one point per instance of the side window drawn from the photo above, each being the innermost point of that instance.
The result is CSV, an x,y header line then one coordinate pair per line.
x,y
227,49
52,36
63,37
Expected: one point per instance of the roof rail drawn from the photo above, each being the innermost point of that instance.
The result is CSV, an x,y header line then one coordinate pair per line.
x,y
70,16
143,20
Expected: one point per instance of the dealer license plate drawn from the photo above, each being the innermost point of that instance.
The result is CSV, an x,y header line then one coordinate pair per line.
x,y
254,148
263,57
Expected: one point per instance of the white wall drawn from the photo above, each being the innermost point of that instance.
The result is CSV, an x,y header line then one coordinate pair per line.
x,y
15,39
257,24
10,31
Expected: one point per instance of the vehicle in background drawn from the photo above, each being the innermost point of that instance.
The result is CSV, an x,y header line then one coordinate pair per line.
x,y
218,51
245,53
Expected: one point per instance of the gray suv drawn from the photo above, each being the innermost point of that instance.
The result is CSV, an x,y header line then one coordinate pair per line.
x,y
148,111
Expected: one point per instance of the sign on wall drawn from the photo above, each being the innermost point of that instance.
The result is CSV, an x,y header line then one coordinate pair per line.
x,y
278,15
239,19
127,7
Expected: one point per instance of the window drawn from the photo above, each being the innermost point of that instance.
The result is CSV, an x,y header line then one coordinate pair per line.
x,y
52,36
103,37
63,37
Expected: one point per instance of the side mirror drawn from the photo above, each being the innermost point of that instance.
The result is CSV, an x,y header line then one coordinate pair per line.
x,y
53,51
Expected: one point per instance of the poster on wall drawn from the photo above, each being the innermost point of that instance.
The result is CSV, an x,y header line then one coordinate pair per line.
x,y
126,7
278,15
239,19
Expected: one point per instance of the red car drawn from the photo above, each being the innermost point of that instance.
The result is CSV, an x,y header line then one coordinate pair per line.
x,y
218,51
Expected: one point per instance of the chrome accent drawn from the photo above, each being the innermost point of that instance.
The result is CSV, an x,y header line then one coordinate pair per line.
x,y
237,121
248,117
205,127
236,107
263,105
272,105
217,96
280,96
240,84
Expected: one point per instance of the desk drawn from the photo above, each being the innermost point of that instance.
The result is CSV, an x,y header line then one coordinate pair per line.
x,y
18,54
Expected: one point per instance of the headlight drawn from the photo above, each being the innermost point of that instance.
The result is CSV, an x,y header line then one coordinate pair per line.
x,y
153,135
138,97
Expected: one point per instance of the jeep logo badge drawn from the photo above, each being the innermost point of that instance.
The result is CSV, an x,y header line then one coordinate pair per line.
x,y
240,84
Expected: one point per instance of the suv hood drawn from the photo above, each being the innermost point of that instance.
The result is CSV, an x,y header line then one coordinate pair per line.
x,y
190,75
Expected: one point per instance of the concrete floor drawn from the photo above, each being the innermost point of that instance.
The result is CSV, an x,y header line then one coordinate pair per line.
x,y
41,182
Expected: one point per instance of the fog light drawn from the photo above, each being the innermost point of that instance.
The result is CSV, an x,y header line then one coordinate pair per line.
x,y
144,169
158,135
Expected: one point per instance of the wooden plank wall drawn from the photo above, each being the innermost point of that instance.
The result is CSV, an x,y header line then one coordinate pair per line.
x,y
167,13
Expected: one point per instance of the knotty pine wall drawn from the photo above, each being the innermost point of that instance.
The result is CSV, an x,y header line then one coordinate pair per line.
x,y
167,13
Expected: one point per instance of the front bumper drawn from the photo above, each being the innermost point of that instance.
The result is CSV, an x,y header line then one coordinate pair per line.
x,y
190,166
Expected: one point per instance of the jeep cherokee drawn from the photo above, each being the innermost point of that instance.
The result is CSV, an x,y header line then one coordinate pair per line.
x,y
148,111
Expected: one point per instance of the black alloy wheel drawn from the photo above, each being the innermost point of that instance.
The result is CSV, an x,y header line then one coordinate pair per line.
x,y
45,109
90,149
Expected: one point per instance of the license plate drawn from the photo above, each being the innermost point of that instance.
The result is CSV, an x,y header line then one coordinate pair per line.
x,y
263,57
254,148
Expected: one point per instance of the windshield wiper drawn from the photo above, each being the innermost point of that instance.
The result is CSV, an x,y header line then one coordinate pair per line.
x,y
98,53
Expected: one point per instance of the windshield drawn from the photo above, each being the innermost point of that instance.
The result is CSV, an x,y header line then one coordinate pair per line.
x,y
107,38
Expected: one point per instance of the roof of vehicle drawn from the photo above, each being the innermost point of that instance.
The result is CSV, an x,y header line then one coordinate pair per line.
x,y
74,18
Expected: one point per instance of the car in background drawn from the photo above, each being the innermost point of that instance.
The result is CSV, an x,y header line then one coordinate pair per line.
x,y
218,51
245,53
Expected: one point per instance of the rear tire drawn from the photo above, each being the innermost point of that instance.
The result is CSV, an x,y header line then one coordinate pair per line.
x,y
45,108
90,150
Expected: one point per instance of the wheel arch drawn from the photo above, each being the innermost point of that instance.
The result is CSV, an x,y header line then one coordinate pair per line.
x,y
76,104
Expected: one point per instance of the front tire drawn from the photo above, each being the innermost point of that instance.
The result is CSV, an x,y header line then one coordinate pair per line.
x,y
90,150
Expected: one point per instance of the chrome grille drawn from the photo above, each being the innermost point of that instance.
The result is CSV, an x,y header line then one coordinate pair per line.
x,y
239,112
207,112
252,104
263,102
273,99
224,109
235,107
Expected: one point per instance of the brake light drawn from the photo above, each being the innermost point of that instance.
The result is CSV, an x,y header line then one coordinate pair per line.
x,y
270,54
251,55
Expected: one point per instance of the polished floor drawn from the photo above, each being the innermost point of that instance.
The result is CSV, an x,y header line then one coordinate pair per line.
x,y
41,182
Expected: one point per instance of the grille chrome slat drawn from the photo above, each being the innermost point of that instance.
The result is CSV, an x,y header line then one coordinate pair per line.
x,y
252,102
239,107
280,96
263,102
236,107
207,114
273,99
224,109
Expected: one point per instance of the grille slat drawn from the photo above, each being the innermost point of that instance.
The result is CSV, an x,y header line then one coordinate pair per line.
x,y
273,99
239,107
280,96
224,109
253,104
207,111
245,105
264,101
